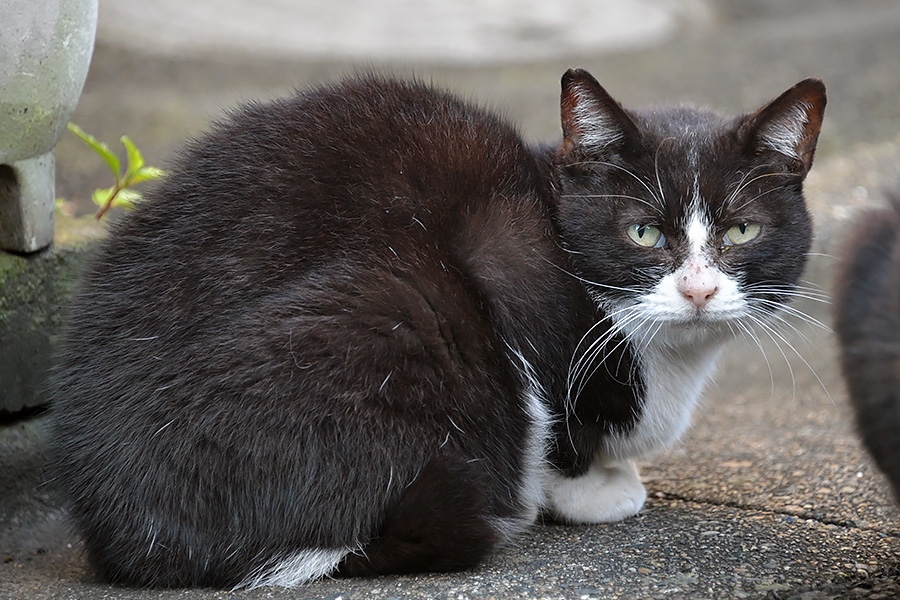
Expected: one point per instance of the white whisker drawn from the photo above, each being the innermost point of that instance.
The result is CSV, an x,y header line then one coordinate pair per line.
x,y
746,181
748,332
623,169
762,325
662,194
791,311
822,255
587,281
620,196
774,333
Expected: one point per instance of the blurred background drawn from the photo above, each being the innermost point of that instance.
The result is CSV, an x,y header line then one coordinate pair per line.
x,y
163,68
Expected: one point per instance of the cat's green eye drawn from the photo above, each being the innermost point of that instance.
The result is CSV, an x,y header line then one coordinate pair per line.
x,y
741,234
646,235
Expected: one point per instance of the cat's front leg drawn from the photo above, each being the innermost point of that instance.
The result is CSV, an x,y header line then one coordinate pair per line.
x,y
611,490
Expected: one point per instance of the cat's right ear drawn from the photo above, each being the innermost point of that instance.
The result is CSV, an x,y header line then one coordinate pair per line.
x,y
789,125
591,119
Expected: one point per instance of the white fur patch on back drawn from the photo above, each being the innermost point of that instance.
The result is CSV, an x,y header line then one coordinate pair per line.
x,y
302,567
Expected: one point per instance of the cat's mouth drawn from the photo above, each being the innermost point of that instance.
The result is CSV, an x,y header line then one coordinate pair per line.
x,y
708,319
703,328
675,307
715,314
647,320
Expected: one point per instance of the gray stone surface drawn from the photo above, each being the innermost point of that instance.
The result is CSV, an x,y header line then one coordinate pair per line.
x,y
33,288
26,203
769,496
45,51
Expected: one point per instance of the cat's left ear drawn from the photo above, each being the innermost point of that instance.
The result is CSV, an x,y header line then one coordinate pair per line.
x,y
789,125
591,119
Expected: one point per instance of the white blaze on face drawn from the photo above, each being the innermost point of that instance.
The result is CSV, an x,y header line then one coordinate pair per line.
x,y
697,288
701,288
679,326
698,279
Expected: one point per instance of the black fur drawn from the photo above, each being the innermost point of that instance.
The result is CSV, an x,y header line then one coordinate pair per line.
x,y
268,350
324,329
867,322
439,524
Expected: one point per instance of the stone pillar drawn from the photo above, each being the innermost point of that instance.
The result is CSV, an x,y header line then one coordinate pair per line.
x,y
45,51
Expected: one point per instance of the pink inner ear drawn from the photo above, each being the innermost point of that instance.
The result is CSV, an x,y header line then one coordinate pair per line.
x,y
570,126
794,133
591,118
791,123
588,119
807,147
787,133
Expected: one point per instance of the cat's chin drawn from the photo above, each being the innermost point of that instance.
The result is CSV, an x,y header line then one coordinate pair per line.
x,y
673,329
701,329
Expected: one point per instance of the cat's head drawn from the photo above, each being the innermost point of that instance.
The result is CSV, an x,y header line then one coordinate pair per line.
x,y
680,218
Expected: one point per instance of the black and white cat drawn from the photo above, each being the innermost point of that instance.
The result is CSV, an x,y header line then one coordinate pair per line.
x,y
365,329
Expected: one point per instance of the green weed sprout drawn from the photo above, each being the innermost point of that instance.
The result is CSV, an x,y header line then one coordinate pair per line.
x,y
122,193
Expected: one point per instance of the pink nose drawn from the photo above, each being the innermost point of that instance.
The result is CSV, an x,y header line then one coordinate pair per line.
x,y
698,284
698,295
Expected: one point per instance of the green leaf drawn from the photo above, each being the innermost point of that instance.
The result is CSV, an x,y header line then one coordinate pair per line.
x,y
127,198
135,158
99,147
146,174
101,196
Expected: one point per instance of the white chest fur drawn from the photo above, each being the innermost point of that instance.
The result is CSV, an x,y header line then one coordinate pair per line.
x,y
674,378
682,325
611,490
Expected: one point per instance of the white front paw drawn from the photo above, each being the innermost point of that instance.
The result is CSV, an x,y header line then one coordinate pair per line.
x,y
608,492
